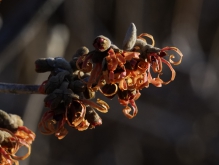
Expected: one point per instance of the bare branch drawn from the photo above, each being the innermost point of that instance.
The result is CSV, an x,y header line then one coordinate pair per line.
x,y
19,88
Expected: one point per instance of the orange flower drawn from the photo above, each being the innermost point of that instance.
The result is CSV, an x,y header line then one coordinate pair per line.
x,y
79,115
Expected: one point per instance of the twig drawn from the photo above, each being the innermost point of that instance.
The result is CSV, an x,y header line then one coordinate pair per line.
x,y
19,88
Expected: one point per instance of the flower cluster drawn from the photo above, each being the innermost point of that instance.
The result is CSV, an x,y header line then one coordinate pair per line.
x,y
13,136
68,97
108,69
128,70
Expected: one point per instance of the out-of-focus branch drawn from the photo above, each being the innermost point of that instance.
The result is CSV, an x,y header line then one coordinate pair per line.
x,y
29,32
19,88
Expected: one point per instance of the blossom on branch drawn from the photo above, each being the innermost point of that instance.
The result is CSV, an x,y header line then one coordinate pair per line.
x,y
108,69
67,97
126,71
13,136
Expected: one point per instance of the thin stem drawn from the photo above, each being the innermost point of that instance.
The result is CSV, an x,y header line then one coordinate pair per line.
x,y
19,88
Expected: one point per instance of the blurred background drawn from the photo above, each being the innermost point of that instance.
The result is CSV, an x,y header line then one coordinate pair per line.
x,y
177,124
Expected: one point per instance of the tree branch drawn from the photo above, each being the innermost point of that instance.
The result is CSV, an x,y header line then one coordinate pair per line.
x,y
19,88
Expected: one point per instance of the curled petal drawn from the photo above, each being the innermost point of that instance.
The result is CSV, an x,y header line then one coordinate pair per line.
x,y
83,125
142,81
156,63
131,82
104,105
92,117
9,140
147,35
25,134
137,95
47,127
94,75
24,156
111,76
5,158
42,88
155,81
109,90
143,66
100,84
17,140
75,114
123,101
83,64
130,55
160,67
172,56
101,105
61,133
172,70
121,59
106,77
123,84
111,60
46,124
134,107
123,74
80,78
127,109
87,66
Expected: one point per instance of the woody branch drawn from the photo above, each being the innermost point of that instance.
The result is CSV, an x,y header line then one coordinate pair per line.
x,y
19,88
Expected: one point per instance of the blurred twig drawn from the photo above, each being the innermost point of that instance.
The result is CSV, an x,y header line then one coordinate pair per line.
x,y
29,32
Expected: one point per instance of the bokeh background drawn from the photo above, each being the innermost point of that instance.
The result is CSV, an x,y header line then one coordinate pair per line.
x,y
177,124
